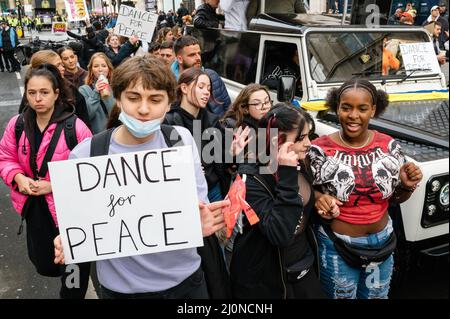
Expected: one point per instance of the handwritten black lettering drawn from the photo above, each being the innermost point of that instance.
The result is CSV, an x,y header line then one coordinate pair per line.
x,y
136,173
85,173
122,224
120,201
145,167
166,179
97,239
140,232
107,173
166,229
72,245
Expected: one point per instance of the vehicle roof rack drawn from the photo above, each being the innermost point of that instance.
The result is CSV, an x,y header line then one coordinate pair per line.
x,y
299,23
292,23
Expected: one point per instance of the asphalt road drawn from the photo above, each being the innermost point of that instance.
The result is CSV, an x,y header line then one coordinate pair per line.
x,y
429,277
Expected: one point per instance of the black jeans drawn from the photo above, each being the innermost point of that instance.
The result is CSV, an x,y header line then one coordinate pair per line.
x,y
3,57
193,287
68,291
9,56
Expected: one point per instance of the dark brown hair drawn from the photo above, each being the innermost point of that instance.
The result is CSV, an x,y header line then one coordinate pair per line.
x,y
147,70
239,107
190,76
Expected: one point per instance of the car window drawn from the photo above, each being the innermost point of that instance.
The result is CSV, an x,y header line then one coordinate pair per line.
x,y
232,54
337,56
280,59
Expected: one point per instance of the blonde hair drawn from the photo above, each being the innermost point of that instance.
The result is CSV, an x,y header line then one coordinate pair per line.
x,y
42,57
111,36
90,77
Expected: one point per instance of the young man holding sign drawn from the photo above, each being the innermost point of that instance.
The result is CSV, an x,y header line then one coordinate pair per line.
x,y
143,91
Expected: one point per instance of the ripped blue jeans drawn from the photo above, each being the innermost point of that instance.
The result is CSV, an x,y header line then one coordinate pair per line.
x,y
340,281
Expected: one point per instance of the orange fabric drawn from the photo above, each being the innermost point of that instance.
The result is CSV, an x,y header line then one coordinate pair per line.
x,y
390,62
236,196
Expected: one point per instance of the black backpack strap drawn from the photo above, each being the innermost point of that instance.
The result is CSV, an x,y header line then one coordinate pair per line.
x,y
171,135
50,150
330,233
19,128
100,143
70,132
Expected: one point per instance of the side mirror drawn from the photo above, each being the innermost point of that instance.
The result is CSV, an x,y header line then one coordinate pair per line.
x,y
286,88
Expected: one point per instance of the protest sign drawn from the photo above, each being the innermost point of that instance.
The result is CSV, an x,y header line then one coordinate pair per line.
x,y
126,204
76,10
59,27
132,21
420,56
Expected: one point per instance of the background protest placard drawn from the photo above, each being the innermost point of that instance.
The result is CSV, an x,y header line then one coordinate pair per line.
x,y
59,27
132,21
420,56
76,10
126,204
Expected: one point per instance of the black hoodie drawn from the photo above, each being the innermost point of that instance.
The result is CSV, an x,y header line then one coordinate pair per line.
x,y
214,172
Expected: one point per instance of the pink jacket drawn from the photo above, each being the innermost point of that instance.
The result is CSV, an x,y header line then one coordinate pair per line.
x,y
14,161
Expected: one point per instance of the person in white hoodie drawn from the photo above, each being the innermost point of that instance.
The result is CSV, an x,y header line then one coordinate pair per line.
x,y
436,17
235,10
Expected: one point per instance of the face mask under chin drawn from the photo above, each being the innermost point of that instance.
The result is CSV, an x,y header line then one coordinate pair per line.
x,y
140,129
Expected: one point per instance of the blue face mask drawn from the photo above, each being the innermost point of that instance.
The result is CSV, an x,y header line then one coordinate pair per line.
x,y
137,128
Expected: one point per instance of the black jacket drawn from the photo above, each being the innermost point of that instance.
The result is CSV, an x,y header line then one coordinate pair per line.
x,y
125,51
262,252
91,44
206,17
177,116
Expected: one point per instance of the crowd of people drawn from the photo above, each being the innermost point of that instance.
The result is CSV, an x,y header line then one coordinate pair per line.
x,y
127,95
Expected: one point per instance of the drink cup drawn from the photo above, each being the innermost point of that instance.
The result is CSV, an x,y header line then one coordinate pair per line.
x,y
105,92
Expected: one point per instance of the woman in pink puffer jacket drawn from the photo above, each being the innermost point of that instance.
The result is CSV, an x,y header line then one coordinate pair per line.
x,y
21,163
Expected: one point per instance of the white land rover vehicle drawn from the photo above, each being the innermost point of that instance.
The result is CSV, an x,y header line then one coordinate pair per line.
x,y
327,54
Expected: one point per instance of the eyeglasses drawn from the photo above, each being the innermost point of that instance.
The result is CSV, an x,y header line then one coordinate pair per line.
x,y
261,105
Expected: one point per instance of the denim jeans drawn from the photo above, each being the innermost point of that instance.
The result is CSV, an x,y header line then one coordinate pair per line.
x,y
340,281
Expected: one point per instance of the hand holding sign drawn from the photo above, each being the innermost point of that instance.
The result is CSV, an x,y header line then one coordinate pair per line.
x,y
212,216
116,206
59,253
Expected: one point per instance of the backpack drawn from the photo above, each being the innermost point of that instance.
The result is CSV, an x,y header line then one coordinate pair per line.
x,y
41,229
213,264
70,133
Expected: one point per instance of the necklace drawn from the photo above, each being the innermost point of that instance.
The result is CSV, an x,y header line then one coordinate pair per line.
x,y
356,147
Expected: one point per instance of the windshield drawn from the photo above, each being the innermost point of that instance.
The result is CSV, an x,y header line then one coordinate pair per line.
x,y
338,56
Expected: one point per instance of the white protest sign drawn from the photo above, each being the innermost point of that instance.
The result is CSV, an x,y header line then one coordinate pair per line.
x,y
420,56
76,10
132,21
126,204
